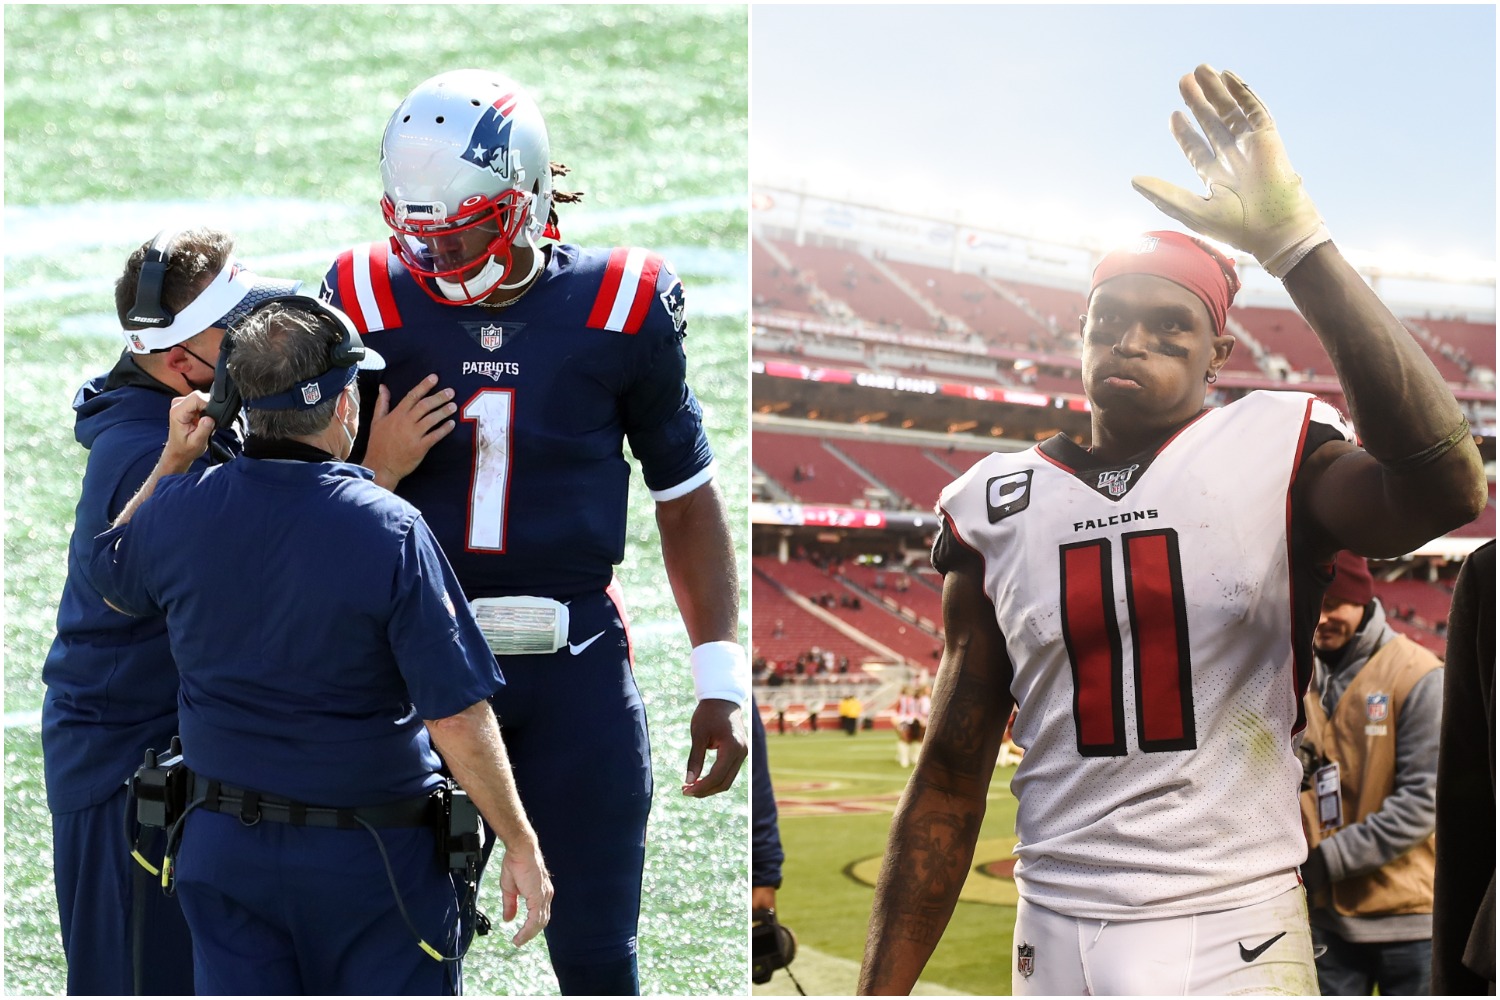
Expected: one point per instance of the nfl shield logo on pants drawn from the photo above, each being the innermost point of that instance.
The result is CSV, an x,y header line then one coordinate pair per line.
x,y
1377,707
1025,960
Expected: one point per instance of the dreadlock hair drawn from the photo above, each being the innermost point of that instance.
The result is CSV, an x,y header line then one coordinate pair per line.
x,y
561,197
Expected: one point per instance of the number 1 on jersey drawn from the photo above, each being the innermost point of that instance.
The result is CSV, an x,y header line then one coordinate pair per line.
x,y
491,411
1157,608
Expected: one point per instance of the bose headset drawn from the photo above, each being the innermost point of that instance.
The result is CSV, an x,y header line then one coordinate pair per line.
x,y
224,398
147,308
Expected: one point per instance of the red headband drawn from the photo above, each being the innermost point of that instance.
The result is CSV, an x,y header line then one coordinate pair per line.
x,y
1182,260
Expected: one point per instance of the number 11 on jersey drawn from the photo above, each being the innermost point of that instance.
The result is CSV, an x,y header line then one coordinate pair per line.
x,y
491,411
1157,608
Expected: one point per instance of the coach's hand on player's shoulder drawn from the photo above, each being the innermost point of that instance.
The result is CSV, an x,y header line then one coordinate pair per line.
x,y
719,726
523,875
1256,201
188,432
400,437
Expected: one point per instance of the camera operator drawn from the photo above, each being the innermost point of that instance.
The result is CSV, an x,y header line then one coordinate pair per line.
x,y
315,624
772,946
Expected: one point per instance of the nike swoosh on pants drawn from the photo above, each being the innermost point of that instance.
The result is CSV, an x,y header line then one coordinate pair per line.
x,y
585,644
1251,954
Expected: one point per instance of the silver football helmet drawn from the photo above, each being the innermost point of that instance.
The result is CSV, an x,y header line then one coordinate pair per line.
x,y
467,175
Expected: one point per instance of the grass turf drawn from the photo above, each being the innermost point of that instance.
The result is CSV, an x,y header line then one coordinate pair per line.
x,y
835,796
118,117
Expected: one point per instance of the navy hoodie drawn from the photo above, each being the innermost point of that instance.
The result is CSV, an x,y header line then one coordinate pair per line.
x,y
111,682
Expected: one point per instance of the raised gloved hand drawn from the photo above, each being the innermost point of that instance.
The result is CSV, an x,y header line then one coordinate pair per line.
x,y
1256,201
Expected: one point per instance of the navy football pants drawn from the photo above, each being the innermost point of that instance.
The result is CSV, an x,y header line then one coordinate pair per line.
x,y
575,730
277,909
96,886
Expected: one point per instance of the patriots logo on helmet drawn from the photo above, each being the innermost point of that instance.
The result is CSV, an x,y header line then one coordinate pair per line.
x,y
311,393
489,143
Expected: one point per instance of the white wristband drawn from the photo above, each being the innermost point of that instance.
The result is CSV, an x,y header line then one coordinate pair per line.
x,y
1280,264
721,670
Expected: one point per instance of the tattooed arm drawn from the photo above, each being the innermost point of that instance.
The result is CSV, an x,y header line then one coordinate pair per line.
x,y
935,828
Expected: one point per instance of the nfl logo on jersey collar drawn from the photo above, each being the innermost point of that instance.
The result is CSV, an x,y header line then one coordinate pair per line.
x,y
492,335
1117,481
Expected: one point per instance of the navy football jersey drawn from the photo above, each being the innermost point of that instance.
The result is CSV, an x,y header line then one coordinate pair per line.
x,y
528,494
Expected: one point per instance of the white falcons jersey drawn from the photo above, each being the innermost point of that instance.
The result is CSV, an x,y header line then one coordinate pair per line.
x,y
1159,623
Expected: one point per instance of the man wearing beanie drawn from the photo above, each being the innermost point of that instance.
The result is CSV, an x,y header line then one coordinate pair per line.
x,y
1148,604
1373,714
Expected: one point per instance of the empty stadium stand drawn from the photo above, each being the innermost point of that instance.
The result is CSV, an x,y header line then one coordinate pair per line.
x,y
910,640
806,470
798,630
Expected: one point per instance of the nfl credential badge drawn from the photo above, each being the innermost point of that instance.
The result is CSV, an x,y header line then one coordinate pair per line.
x,y
1377,711
1025,960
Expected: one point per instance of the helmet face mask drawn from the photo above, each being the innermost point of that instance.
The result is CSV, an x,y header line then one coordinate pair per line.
x,y
474,251
465,162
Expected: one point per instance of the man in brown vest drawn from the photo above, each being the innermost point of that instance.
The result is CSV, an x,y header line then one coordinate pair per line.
x,y
1373,714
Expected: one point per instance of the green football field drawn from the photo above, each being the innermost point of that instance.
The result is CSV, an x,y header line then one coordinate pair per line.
x,y
835,795
266,121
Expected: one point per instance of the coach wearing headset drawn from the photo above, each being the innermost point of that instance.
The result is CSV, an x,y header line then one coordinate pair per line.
x,y
111,682
311,649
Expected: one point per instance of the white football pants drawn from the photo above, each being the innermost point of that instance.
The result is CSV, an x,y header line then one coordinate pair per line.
x,y
1264,949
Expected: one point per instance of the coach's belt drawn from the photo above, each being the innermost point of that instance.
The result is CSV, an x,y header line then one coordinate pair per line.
x,y
252,807
513,625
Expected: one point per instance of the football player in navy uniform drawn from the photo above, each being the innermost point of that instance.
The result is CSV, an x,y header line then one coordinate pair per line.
x,y
520,366
1148,604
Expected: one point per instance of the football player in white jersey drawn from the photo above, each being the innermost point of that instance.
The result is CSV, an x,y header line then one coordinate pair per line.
x,y
1147,603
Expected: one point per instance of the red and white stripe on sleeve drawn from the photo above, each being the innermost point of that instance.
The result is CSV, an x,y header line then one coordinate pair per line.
x,y
625,296
364,287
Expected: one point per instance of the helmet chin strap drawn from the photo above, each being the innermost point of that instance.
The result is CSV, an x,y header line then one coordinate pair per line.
x,y
458,291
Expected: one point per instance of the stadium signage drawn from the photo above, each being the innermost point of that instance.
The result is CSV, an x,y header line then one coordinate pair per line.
x,y
897,382
798,515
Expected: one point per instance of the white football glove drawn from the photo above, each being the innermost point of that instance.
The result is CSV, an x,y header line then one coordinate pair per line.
x,y
1256,202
